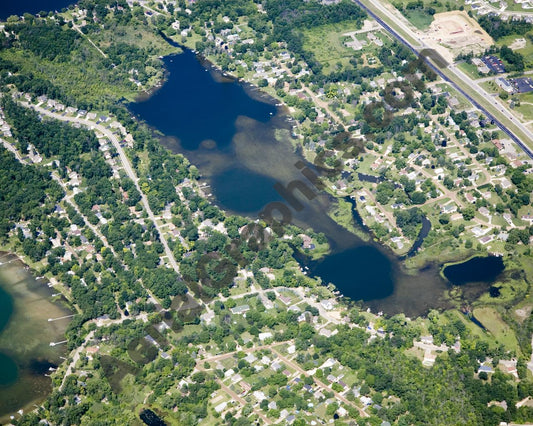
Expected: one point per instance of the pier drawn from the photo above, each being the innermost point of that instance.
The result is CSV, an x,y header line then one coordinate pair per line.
x,y
60,318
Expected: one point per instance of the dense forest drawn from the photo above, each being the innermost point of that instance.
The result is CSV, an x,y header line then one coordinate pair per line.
x,y
27,192
45,39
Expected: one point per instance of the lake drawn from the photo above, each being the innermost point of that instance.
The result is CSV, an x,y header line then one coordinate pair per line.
x,y
478,269
19,7
241,142
26,303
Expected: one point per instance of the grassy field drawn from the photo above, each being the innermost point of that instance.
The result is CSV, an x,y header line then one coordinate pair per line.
x,y
469,69
419,18
491,87
526,105
135,35
343,216
526,110
327,44
494,323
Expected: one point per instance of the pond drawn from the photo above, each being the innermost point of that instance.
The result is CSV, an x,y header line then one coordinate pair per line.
x,y
478,269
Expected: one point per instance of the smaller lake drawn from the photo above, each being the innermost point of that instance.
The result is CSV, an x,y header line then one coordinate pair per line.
x,y
478,269
19,7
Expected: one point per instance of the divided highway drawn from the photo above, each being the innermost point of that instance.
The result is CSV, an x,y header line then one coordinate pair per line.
x,y
465,79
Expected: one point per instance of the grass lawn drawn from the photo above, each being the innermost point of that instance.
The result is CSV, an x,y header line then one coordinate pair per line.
x,y
526,110
469,69
419,18
494,323
491,87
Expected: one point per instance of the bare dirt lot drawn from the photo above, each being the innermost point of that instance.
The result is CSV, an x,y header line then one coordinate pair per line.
x,y
452,33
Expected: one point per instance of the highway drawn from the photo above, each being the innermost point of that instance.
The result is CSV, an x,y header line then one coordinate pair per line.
x,y
459,74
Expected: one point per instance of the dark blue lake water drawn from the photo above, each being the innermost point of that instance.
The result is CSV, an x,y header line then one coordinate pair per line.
x,y
371,274
191,115
19,7
241,143
484,269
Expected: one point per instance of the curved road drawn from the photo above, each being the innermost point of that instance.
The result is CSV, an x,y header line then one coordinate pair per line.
x,y
125,163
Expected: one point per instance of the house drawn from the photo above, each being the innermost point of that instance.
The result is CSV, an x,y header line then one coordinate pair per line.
x,y
366,400
221,407
307,242
342,412
259,395
250,358
330,362
91,350
239,310
325,332
486,239
264,336
246,387
484,211
470,198
484,369
327,304
276,366
449,208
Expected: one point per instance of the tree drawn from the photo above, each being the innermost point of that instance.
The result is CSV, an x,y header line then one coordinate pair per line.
x,y
468,213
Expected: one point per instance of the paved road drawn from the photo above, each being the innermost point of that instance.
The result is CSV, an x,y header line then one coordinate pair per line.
x,y
494,77
505,14
338,396
75,358
457,75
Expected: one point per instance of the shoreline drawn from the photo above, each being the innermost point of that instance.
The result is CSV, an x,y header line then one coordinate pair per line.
x,y
401,264
20,282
